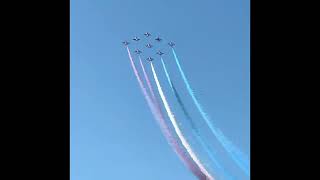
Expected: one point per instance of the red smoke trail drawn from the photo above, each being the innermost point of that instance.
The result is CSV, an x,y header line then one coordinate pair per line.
x,y
164,127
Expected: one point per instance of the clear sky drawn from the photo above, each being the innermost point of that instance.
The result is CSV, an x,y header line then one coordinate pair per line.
x,y
113,133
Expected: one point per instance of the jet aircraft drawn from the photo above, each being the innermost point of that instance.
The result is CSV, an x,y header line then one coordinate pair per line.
x,y
136,38
138,51
160,53
158,39
148,45
125,43
147,34
150,59
171,44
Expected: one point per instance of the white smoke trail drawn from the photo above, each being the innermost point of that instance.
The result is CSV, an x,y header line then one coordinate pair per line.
x,y
177,129
164,128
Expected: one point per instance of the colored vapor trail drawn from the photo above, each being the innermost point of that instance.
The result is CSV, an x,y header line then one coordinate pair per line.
x,y
177,129
164,128
148,83
195,131
239,157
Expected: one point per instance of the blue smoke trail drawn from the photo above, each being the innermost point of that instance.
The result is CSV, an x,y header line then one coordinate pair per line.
x,y
164,127
195,130
239,157
173,120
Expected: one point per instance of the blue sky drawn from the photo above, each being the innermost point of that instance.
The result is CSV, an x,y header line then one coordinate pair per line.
x,y
113,133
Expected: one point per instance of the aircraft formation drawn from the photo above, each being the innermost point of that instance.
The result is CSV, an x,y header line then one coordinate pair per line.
x,y
148,45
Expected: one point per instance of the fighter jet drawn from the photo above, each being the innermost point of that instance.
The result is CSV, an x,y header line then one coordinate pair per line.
x,y
158,39
171,44
125,43
150,59
160,53
147,34
148,45
136,38
138,51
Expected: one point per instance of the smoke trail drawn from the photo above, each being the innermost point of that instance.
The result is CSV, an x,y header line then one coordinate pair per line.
x,y
149,85
195,130
148,82
174,123
239,157
164,128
